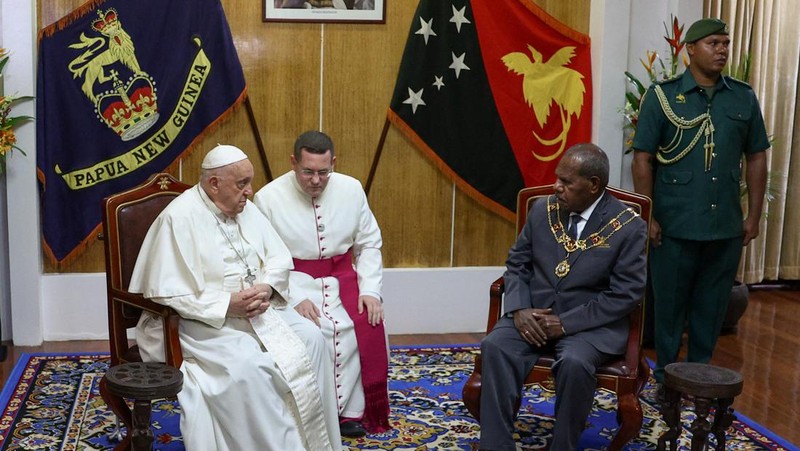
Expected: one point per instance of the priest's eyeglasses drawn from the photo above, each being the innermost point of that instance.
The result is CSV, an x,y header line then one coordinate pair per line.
x,y
322,173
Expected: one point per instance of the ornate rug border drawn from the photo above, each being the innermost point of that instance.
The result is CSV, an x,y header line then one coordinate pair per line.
x,y
23,374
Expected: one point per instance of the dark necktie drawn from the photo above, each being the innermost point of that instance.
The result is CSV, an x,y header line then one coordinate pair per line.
x,y
572,231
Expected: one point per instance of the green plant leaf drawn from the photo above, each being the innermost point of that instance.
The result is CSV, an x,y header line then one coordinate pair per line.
x,y
14,121
21,99
632,100
635,81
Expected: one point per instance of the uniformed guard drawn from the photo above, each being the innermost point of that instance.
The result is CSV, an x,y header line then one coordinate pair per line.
x,y
692,133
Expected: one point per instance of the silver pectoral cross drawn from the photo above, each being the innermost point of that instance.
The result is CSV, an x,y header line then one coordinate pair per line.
x,y
250,278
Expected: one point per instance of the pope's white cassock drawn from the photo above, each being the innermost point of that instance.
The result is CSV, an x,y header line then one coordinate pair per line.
x,y
249,384
314,229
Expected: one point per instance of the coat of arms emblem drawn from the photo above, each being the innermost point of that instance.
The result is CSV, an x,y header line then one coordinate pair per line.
x,y
123,95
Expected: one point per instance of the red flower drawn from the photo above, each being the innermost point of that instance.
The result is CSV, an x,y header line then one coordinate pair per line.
x,y
674,40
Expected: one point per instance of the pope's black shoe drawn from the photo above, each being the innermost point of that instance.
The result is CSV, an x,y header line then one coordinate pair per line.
x,y
352,429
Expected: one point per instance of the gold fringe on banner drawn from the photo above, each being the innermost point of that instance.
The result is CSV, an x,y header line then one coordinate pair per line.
x,y
76,14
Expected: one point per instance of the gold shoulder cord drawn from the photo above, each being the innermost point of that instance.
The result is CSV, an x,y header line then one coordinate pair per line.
x,y
706,127
595,239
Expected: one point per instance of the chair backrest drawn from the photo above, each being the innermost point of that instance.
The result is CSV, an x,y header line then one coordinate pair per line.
x,y
527,196
127,217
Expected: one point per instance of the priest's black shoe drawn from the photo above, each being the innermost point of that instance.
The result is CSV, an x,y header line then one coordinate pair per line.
x,y
352,429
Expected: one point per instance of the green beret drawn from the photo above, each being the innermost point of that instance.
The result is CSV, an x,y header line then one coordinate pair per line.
x,y
705,27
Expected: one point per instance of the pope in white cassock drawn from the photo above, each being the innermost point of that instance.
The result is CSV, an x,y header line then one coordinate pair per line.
x,y
254,379
325,221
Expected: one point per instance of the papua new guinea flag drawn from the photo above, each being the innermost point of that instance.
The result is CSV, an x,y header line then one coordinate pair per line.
x,y
125,88
493,91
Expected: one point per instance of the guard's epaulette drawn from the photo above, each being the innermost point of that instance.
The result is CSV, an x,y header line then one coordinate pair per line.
x,y
730,79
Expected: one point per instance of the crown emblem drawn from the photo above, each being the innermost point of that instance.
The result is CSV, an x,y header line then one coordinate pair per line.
x,y
129,109
105,20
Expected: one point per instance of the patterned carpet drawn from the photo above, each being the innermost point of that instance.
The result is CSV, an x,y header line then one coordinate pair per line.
x,y
52,402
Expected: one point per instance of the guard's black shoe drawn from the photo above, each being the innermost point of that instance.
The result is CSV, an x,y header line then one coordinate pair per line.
x,y
352,429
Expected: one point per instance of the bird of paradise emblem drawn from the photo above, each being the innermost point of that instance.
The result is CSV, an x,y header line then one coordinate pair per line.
x,y
544,83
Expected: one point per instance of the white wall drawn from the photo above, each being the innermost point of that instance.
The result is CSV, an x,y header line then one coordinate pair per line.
x,y
22,202
432,300
609,30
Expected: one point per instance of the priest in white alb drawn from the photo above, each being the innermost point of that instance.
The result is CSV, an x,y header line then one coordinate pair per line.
x,y
325,221
254,379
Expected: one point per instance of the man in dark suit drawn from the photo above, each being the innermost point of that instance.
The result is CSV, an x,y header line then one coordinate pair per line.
x,y
568,294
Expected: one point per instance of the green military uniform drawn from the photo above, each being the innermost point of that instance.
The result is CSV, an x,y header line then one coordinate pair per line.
x,y
698,139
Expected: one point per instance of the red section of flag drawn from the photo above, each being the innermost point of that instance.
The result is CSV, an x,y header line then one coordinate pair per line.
x,y
542,88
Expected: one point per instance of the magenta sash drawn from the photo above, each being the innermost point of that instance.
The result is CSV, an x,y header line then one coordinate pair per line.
x,y
371,339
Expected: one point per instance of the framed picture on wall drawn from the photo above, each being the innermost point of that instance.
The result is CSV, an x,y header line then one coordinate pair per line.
x,y
347,11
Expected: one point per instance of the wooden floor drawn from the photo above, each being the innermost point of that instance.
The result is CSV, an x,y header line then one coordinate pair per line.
x,y
765,349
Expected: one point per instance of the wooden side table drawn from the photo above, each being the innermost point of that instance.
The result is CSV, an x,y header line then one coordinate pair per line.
x,y
711,386
143,382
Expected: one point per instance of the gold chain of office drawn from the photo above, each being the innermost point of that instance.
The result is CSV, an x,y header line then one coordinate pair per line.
x,y
595,239
706,127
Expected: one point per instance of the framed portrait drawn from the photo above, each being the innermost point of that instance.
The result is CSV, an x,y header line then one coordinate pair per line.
x,y
345,11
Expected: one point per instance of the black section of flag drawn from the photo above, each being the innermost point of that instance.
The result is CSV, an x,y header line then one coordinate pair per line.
x,y
458,122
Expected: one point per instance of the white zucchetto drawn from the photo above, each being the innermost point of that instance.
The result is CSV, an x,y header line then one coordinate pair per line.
x,y
223,155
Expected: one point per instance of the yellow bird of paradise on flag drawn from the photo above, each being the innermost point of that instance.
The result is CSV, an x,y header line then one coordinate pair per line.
x,y
545,83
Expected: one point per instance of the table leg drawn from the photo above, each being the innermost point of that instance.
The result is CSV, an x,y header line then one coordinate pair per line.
x,y
723,419
141,436
671,411
700,426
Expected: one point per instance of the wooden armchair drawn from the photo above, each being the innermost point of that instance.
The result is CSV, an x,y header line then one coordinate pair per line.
x,y
127,216
626,376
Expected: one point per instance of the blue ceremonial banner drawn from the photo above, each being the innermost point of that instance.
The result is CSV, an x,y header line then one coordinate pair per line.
x,y
125,89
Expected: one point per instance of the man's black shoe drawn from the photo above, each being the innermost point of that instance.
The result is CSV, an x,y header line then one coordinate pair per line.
x,y
352,429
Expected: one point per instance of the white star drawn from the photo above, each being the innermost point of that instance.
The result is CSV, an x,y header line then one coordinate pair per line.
x,y
426,29
414,99
458,18
458,63
438,83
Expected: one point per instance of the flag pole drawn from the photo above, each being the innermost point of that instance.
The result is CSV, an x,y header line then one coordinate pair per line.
x,y
259,144
377,157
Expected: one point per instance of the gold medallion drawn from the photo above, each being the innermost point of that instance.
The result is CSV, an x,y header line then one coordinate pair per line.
x,y
595,239
562,269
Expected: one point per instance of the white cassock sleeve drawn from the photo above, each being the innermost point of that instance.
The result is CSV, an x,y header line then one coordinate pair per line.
x,y
367,244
